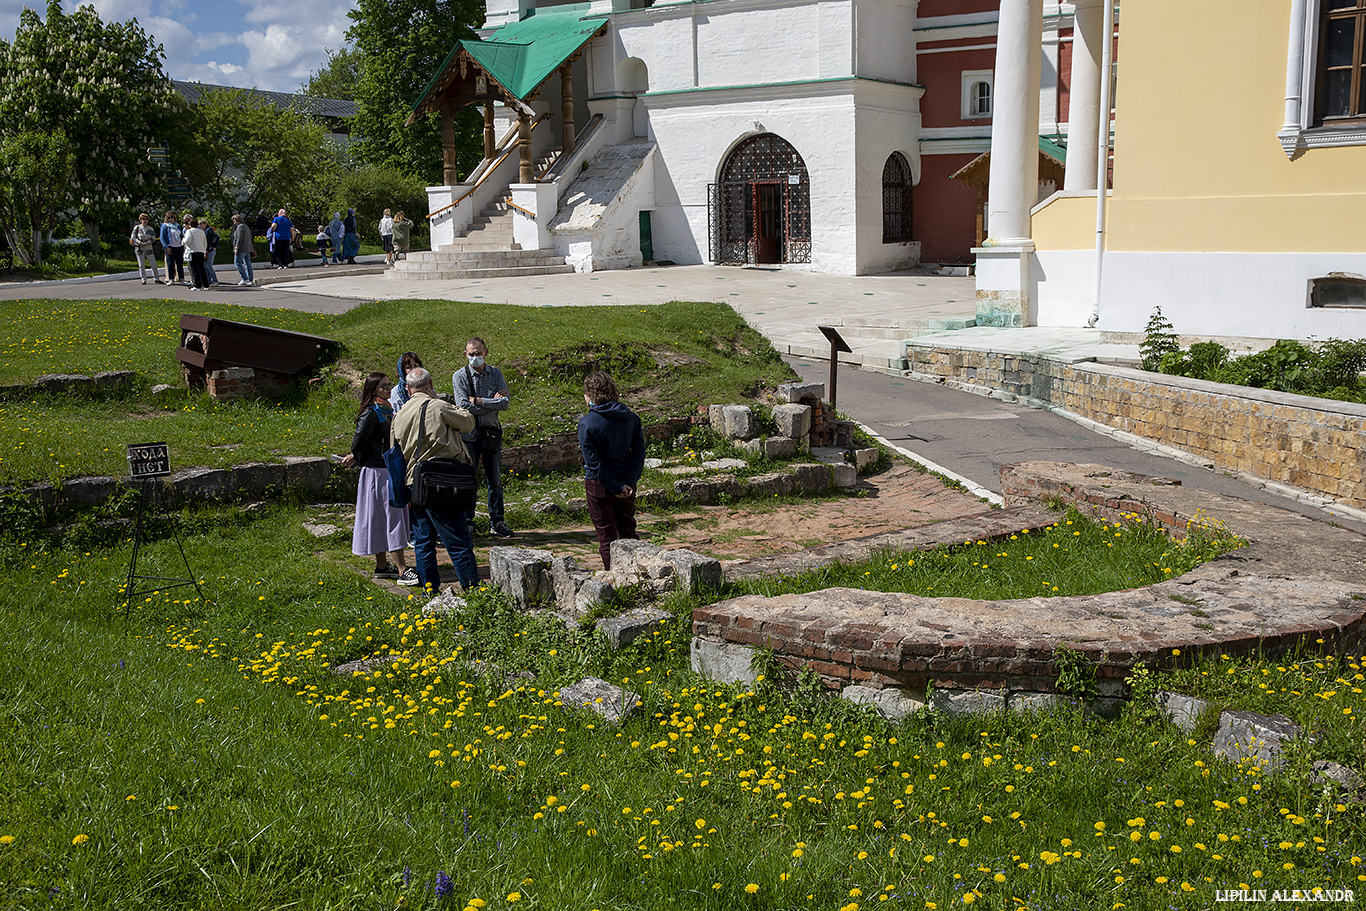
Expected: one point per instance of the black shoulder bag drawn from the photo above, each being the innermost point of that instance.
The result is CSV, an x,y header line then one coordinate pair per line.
x,y
442,485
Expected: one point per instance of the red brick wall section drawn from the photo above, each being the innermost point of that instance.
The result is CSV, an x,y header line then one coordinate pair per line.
x,y
944,219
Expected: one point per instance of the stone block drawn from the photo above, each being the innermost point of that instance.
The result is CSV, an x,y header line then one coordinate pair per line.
x,y
592,592
321,529
693,571
197,484
726,662
1043,703
1103,707
162,389
75,493
811,479
1339,777
773,484
523,574
716,417
565,579
866,458
892,704
1258,738
844,476
307,474
445,603
629,553
1182,711
259,478
694,491
596,695
625,628
739,422
795,393
968,702
794,421
780,447
64,382
830,455
118,381
755,446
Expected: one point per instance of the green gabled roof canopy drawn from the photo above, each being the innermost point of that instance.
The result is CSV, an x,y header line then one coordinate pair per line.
x,y
1052,159
515,60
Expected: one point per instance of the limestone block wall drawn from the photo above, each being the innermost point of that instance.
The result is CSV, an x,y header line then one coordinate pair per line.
x,y
1317,445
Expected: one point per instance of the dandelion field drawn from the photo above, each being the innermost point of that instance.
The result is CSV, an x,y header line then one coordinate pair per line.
x,y
202,756
664,365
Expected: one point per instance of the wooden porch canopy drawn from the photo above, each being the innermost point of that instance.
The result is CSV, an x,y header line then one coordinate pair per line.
x,y
509,66
977,173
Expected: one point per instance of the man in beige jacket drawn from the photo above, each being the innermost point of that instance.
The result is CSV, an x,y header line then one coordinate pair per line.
x,y
440,439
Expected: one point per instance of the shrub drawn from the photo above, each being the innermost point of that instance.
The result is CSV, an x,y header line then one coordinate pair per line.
x,y
1159,340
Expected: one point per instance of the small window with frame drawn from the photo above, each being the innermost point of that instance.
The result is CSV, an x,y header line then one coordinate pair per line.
x,y
1341,95
977,92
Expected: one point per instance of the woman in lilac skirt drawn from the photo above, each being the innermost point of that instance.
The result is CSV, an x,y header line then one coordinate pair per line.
x,y
381,531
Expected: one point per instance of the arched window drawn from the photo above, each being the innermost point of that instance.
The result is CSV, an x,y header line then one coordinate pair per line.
x,y
760,210
896,199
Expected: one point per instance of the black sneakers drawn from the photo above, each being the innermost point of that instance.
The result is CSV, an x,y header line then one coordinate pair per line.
x,y
390,571
501,529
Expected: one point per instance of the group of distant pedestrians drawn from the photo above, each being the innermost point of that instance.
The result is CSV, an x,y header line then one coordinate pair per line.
x,y
192,243
466,428
197,237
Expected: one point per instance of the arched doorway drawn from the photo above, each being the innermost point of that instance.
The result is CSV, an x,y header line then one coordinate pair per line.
x,y
760,209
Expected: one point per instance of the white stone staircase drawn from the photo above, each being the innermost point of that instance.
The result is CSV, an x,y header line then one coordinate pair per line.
x,y
487,250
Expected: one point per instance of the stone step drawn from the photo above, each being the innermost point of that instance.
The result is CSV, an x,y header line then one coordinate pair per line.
x,y
460,265
487,256
503,272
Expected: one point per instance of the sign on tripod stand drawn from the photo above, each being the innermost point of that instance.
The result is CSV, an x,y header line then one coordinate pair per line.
x,y
147,464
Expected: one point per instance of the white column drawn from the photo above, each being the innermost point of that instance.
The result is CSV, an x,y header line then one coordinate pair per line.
x,y
1013,186
1083,119
1004,261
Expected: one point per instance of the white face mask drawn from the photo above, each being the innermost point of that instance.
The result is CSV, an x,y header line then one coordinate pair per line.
x,y
476,361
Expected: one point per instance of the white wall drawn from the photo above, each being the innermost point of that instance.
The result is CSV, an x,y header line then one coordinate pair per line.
x,y
1256,295
888,118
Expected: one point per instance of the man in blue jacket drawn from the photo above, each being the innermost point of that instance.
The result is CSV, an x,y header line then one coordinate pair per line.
x,y
613,446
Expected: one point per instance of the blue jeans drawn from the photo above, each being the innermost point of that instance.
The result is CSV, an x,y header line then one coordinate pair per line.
x,y
455,534
493,476
243,263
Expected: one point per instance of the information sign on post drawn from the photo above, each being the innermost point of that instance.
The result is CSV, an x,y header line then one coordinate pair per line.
x,y
837,345
146,463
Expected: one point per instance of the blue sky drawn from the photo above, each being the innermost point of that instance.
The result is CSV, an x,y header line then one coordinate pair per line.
x,y
249,43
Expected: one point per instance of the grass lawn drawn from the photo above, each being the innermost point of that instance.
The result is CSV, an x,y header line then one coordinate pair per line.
x,y
202,756
667,360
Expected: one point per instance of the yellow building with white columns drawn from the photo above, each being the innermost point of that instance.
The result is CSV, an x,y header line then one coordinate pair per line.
x,y
1239,178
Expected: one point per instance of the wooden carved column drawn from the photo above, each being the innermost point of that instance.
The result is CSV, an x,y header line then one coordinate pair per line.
x,y
527,171
488,129
567,108
448,146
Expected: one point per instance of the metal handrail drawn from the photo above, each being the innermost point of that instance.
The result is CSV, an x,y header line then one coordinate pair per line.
x,y
511,147
507,137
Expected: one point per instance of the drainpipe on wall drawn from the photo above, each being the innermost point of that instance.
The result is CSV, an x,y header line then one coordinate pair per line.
x,y
1103,146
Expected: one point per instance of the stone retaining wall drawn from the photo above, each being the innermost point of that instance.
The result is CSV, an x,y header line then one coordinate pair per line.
x,y
1317,445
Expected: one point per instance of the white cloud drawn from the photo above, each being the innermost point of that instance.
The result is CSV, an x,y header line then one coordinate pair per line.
x,y
281,57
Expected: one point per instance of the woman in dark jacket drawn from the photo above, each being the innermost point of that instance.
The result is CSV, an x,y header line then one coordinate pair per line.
x,y
381,530
350,237
613,446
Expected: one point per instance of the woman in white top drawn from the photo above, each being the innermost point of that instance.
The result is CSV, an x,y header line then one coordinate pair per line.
x,y
386,236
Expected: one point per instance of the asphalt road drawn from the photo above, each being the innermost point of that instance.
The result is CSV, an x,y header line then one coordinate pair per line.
x,y
974,435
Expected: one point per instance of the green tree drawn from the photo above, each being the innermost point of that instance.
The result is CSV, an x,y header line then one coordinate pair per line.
x,y
242,154
337,77
35,173
401,44
370,189
100,83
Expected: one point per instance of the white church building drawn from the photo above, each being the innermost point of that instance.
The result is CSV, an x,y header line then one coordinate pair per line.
x,y
731,131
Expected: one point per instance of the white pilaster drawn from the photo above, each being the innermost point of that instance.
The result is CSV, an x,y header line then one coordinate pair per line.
x,y
1083,119
1013,185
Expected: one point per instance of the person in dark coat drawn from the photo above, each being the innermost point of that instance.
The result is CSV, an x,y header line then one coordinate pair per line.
x,y
381,531
612,443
